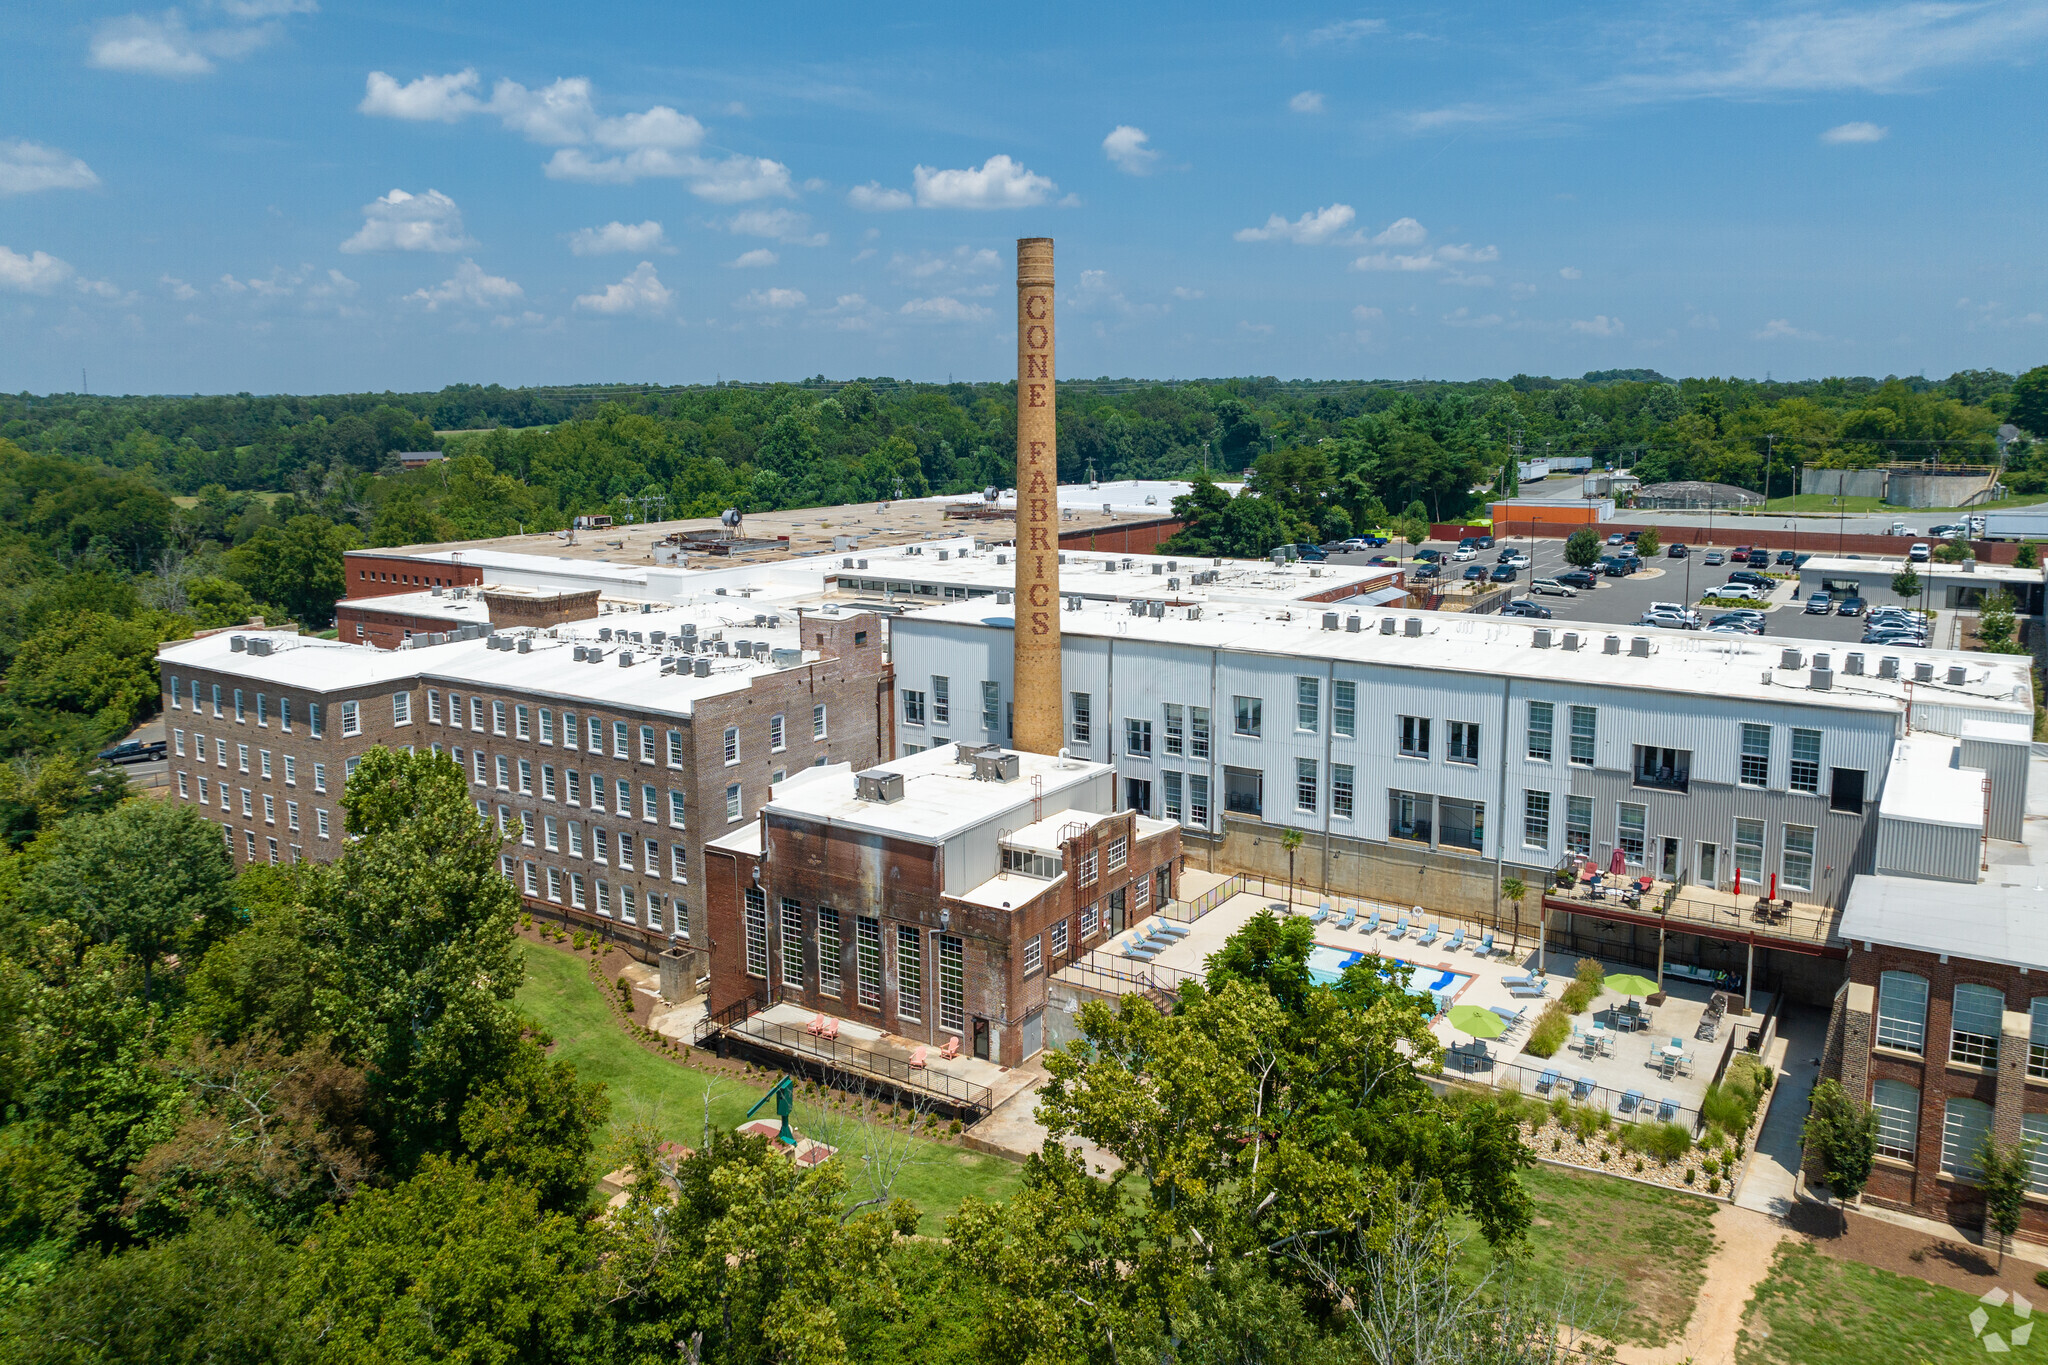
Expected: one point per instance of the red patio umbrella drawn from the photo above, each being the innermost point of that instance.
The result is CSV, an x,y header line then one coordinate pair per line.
x,y
1618,864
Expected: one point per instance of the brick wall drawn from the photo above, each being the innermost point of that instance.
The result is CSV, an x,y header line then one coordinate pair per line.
x,y
384,629
371,573
1129,537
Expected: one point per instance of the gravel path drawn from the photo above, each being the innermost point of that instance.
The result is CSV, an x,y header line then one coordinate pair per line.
x,y
1746,1243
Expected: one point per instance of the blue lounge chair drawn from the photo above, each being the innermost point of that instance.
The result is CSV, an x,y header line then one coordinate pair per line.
x,y
1350,918
1428,937
1171,930
1372,925
1400,930
1546,1083
1457,941
1485,945
1321,914
1143,952
1631,1102
1518,979
1528,990
1512,1018
1582,1088
1667,1110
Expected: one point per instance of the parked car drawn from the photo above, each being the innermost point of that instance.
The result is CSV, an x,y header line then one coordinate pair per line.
x,y
1617,539
1463,553
1423,573
1515,559
1951,532
1583,579
1715,557
1555,587
1754,579
1615,566
1429,554
1367,542
1737,592
1919,553
1503,573
1522,606
1746,622
1741,551
1386,562
1759,559
1674,609
1849,606
1482,542
1665,620
1629,537
1790,557
1476,574
1819,604
1676,550
1469,543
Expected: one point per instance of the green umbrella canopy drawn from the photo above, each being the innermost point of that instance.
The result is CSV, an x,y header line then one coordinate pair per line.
x,y
1478,1022
1626,984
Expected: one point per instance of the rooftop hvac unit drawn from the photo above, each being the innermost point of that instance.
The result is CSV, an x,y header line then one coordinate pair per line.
x,y
1173,566
1542,637
995,765
1000,560
1002,599
1888,666
1353,622
646,608
1388,625
595,656
525,645
435,637
785,658
743,648
1923,671
944,556
1329,620
1610,644
1215,563
1130,563
689,629
1173,585
846,563
1853,665
639,637
1063,559
1195,614
1074,602
1957,674
657,635
774,621
604,633
1571,640
877,785
1158,610
260,647
1823,659
720,646
1789,658
1639,647
760,619
701,667
1821,679
720,592
1414,627
437,590
238,643
625,658
861,564
1315,571
1158,569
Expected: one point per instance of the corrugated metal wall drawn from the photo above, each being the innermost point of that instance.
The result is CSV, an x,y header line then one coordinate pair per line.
x,y
1915,848
2006,765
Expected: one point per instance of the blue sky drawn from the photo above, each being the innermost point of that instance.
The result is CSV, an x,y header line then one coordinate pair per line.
x,y
317,195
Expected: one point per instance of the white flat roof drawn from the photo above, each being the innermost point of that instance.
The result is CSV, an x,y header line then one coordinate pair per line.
x,y
1045,834
1925,786
1941,573
1104,575
1007,891
941,797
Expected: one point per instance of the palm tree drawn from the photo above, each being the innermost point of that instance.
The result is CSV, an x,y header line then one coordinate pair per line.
x,y
1290,840
1512,890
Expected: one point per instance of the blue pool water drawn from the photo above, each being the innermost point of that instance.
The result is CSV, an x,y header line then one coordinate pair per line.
x,y
1327,964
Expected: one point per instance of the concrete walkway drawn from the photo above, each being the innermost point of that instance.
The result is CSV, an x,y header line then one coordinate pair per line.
x,y
1769,1185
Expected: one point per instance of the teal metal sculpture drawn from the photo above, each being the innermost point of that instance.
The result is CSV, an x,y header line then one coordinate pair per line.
x,y
783,1092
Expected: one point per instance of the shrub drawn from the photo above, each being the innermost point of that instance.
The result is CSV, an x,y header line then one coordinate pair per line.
x,y
1714,1187
1577,997
576,940
1688,1175
953,1129
2041,1278
625,993
1586,1120
1731,1103
1552,1028
1639,1166
1590,973
1665,1141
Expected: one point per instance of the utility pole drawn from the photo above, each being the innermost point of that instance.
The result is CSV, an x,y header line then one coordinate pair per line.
x,y
1770,450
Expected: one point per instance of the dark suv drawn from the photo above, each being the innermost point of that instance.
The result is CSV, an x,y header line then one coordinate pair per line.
x,y
1579,578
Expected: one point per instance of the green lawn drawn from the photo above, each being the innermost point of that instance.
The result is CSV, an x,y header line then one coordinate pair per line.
x,y
1815,1310
559,996
1824,503
1633,1256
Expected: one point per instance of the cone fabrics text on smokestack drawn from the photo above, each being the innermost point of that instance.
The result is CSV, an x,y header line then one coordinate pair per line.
x,y
1037,723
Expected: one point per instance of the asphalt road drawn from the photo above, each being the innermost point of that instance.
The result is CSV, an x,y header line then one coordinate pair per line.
x,y
1622,601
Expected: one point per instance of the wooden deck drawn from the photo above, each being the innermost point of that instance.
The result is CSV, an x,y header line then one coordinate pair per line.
x,y
1712,913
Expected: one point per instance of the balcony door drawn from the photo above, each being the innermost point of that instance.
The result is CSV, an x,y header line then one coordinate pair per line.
x,y
1709,864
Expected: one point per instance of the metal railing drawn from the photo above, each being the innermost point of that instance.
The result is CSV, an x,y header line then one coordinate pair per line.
x,y
851,1057
731,1016
1187,912
1114,982
1505,1075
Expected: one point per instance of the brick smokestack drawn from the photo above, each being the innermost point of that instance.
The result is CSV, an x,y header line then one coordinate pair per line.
x,y
1038,725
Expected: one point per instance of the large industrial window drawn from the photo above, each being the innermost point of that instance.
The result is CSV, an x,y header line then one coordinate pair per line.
x,y
1898,1118
1250,715
497,718
1629,824
1173,739
1974,1025
2037,1039
522,722
1804,774
1170,796
1798,861
1081,728
621,746
1034,948
1344,709
828,951
909,974
952,984
1308,704
1409,815
1137,737
1585,735
1342,790
913,706
757,929
1756,756
2034,1137
1535,819
1902,1012
1244,791
1464,742
991,705
777,734
1116,853
1198,732
594,735
942,700
1198,800
1578,825
792,943
1964,1126
1415,736
647,744
351,719
867,948
1306,786
1749,852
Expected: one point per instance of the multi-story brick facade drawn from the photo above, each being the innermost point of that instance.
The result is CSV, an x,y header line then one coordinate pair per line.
x,y
605,779
938,904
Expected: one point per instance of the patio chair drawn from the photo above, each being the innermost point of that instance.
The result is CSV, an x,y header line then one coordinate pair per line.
x,y
1518,978
1512,1018
952,1047
1400,930
1667,1110
1172,930
1547,1082
1321,914
1372,924
1528,990
917,1056
1685,1065
1350,918
1484,948
830,1032
1631,1102
1457,941
1428,937
1142,952
817,1024
1582,1088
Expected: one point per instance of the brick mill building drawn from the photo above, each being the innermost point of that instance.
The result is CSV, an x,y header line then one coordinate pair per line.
x,y
605,752
932,897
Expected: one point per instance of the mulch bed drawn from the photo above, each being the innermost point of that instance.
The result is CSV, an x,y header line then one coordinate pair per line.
x,y
1950,1262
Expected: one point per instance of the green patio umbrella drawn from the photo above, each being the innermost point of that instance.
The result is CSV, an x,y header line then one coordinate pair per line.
x,y
1631,986
1480,1023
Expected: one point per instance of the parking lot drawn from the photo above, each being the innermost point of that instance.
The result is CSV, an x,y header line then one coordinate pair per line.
x,y
1622,601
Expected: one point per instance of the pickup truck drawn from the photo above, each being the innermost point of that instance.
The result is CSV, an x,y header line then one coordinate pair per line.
x,y
134,751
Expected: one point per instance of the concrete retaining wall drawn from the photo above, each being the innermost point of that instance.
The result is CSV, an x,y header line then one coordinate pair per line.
x,y
1843,483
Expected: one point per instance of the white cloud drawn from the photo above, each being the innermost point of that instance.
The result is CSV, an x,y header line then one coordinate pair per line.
x,y
1446,258
1854,132
644,163
782,225
410,222
1181,291
773,300
1126,149
1307,102
659,126
468,287
1382,260
636,238
1000,184
1346,32
36,273
1570,272
740,178
1402,232
1599,325
1468,254
1364,313
944,309
557,114
1311,229
759,256
439,99
961,260
166,45
874,197
640,292
313,288
26,167
1780,329
177,288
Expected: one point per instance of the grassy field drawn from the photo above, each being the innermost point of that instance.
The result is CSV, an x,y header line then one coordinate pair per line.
x,y
559,996
1921,516
1633,1255
1815,1310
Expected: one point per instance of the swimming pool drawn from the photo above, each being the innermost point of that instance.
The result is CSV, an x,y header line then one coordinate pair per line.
x,y
1327,964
